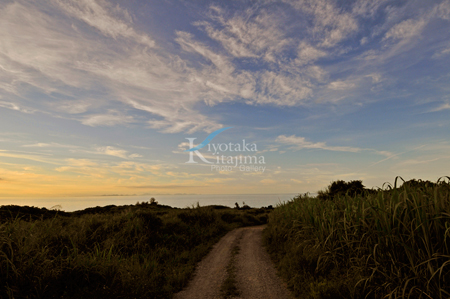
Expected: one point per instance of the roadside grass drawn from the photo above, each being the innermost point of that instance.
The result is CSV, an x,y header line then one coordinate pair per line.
x,y
141,251
229,286
386,244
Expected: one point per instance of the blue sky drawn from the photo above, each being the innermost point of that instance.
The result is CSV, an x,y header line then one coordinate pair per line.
x,y
98,97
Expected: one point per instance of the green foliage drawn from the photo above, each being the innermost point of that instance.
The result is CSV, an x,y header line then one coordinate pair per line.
x,y
386,244
142,251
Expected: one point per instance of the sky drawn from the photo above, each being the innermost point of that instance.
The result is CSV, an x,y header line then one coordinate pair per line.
x,y
108,97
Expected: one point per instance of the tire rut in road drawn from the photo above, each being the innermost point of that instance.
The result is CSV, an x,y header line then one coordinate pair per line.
x,y
256,274
211,271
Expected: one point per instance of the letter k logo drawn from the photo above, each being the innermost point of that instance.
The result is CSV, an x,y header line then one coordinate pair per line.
x,y
191,153
193,149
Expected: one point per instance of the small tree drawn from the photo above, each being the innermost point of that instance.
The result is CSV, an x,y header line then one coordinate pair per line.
x,y
339,188
56,208
153,201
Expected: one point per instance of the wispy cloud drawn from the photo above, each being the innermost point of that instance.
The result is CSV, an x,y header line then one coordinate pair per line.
x,y
248,34
341,85
442,107
417,161
116,152
386,159
307,53
268,181
14,106
157,187
105,19
298,143
368,8
331,25
441,53
259,58
111,119
406,29
81,162
53,55
49,145
74,107
301,142
30,157
442,10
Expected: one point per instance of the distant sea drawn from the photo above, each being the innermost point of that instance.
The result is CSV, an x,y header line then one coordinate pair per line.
x,y
70,204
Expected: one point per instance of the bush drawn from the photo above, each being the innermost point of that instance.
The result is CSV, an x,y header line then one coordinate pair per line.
x,y
342,188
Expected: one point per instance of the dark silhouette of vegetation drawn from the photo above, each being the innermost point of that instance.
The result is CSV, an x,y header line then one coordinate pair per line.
x,y
342,188
137,251
423,184
245,206
26,213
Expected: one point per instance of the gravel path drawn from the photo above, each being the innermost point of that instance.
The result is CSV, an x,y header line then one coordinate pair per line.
x,y
256,276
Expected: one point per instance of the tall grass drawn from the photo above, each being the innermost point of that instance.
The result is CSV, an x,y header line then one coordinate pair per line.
x,y
386,244
134,252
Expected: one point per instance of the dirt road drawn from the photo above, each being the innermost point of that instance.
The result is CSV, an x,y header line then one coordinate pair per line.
x,y
255,273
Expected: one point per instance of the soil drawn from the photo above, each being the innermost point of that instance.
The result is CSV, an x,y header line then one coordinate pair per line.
x,y
255,273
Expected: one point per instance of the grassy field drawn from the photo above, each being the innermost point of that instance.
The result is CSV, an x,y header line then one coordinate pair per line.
x,y
140,251
391,243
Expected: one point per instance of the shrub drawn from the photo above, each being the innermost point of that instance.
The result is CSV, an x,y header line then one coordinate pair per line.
x,y
342,188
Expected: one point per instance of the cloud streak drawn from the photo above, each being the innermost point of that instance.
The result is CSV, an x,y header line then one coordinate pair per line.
x,y
111,119
116,152
102,18
299,143
259,57
49,145
442,107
